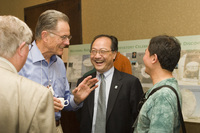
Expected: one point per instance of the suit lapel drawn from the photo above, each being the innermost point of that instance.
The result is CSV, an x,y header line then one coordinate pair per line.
x,y
114,90
91,103
91,99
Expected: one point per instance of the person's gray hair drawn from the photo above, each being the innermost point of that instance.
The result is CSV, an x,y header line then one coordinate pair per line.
x,y
13,32
48,21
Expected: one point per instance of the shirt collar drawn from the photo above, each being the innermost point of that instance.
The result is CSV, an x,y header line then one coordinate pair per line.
x,y
37,55
7,65
107,73
163,82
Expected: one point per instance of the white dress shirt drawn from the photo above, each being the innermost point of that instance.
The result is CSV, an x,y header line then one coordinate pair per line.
x,y
108,78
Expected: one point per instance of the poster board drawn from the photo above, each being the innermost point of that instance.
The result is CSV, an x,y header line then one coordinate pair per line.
x,y
187,72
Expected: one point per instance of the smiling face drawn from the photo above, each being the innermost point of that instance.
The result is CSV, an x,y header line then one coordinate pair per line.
x,y
102,61
55,43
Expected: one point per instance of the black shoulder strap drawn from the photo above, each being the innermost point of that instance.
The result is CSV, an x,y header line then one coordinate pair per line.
x,y
143,100
178,103
158,88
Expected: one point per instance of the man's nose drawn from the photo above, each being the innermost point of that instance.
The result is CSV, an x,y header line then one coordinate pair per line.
x,y
67,42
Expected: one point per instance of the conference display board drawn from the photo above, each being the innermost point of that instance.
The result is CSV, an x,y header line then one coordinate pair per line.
x,y
187,72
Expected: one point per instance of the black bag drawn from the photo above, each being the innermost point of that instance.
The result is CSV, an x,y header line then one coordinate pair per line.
x,y
143,100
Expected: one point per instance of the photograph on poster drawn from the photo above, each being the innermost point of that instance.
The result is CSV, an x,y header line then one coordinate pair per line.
x,y
74,68
189,68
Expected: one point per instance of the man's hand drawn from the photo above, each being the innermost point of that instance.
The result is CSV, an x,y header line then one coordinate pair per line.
x,y
57,104
84,89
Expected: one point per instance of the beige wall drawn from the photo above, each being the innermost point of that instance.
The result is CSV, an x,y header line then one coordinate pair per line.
x,y
139,19
16,7
129,19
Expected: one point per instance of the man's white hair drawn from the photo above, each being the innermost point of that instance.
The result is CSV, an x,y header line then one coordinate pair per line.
x,y
13,32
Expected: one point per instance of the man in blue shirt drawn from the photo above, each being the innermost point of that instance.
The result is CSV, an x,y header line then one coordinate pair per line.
x,y
43,66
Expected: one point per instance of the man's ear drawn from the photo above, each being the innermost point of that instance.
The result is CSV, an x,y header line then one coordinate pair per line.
x,y
44,35
21,49
115,55
154,58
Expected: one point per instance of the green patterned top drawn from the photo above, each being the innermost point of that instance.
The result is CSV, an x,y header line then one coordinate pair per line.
x,y
159,114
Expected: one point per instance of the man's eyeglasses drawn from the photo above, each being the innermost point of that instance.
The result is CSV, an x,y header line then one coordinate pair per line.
x,y
64,37
101,52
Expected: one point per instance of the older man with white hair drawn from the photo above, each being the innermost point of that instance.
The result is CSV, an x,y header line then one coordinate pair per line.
x,y
26,106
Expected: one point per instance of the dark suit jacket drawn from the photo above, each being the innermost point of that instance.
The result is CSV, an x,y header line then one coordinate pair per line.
x,y
121,108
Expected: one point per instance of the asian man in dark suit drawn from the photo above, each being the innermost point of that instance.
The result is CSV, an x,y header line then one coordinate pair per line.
x,y
122,92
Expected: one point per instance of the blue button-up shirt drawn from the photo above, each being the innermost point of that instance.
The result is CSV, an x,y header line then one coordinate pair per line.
x,y
53,73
